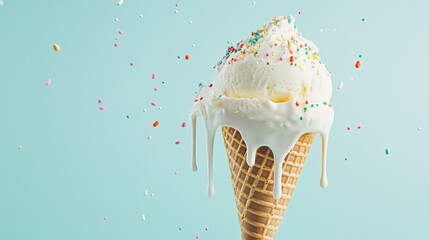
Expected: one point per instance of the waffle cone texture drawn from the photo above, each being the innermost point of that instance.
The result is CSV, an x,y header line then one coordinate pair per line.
x,y
259,213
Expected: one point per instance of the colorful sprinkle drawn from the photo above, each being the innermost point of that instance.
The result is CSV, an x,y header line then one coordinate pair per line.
x,y
132,64
206,229
101,108
183,124
56,47
346,158
153,104
357,64
149,137
156,89
180,229
143,217
177,4
115,44
153,75
121,32
301,118
177,142
340,85
418,129
359,126
197,237
155,124
387,151
100,100
48,82
297,104
187,57
349,128
116,19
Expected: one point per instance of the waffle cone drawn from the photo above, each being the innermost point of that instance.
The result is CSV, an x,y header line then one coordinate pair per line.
x,y
259,213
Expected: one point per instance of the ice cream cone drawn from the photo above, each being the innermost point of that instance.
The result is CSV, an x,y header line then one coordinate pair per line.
x,y
259,213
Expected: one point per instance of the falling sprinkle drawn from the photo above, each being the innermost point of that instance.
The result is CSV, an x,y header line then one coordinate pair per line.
x,y
349,128
418,129
160,107
187,57
144,109
102,108
321,30
152,194
190,21
100,100
115,44
120,2
149,137
357,64
177,142
299,12
132,64
359,126
206,229
176,173
346,158
116,19
121,32
301,118
155,124
20,147
153,104
340,85
141,15
180,229
363,19
48,82
128,116
153,75
143,217
177,4
146,192
105,218
193,45
183,124
360,56
254,2
56,47
176,11
197,237
387,151
156,89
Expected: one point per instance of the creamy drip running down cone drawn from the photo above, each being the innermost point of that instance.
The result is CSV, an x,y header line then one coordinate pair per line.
x,y
271,97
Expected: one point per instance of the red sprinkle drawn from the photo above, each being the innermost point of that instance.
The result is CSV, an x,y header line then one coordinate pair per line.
x,y
357,64
291,59
306,102
187,57
359,126
211,85
348,128
155,124
297,104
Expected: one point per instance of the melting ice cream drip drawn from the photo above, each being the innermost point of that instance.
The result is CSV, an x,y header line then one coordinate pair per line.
x,y
278,126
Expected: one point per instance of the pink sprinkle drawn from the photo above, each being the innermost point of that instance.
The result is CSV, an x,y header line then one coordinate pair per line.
x,y
156,89
101,107
359,126
115,44
197,237
290,51
48,82
299,12
153,104
120,32
348,128
206,229
183,124
100,100
132,64
177,4
281,58
267,55
153,75
177,142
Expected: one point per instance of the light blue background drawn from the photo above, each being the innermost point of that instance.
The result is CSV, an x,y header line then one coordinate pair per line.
x,y
79,164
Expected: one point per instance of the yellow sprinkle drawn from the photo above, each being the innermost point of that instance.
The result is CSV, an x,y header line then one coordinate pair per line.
x,y
56,47
315,57
278,39
318,72
241,57
289,46
273,54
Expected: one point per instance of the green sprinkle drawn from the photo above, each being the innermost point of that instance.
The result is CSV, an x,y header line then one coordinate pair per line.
x,y
301,118
346,158
291,64
200,84
305,109
312,105
387,151
317,105
360,55
325,103
180,228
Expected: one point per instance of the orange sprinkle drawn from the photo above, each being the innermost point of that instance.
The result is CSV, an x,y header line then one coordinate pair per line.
x,y
155,124
357,64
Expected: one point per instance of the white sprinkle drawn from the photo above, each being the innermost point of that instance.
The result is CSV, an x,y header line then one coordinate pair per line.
x,y
144,110
160,107
334,29
152,195
146,192
418,129
176,11
340,85
120,2
143,217
105,218
116,19
254,2
149,137
351,79
141,15
20,147
176,173
193,45
190,22
321,30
